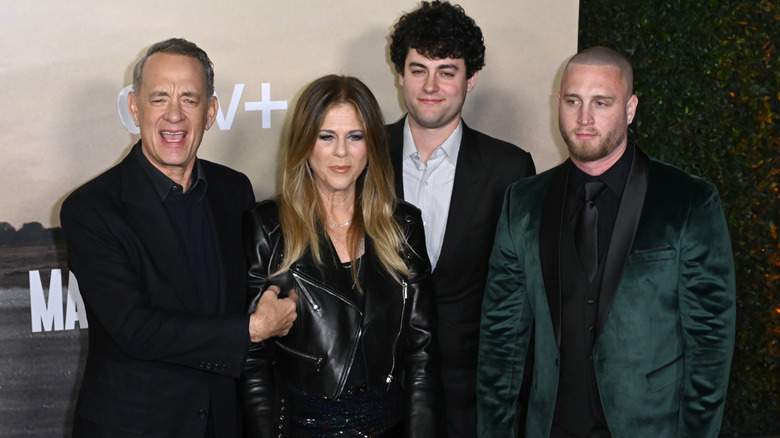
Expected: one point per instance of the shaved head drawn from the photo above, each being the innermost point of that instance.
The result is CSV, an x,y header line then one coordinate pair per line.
x,y
605,56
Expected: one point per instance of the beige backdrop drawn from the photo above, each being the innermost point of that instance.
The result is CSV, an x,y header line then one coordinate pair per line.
x,y
64,65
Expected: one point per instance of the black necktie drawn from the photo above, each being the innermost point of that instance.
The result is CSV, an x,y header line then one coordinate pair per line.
x,y
586,232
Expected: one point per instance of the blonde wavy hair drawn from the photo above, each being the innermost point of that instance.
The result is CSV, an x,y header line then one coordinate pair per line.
x,y
300,209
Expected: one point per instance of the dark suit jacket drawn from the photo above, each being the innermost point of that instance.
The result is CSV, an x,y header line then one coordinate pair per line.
x,y
665,319
155,363
485,167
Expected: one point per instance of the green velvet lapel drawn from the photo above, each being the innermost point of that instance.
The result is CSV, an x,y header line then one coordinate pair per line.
x,y
626,223
550,230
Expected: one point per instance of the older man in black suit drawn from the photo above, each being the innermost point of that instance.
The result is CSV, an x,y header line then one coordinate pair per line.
x,y
457,177
155,243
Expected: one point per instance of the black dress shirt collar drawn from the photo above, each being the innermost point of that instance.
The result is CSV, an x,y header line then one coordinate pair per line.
x,y
615,177
165,186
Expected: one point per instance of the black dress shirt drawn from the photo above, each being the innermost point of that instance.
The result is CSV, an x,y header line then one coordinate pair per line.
x,y
190,215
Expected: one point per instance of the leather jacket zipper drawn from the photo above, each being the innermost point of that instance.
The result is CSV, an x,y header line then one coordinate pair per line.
x,y
314,304
389,378
316,359
302,277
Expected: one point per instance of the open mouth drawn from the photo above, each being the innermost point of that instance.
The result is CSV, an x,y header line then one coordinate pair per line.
x,y
173,136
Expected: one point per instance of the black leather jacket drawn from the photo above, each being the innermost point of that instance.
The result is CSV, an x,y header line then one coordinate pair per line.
x,y
397,325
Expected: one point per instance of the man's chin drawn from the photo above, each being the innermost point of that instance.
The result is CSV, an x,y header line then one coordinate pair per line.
x,y
585,153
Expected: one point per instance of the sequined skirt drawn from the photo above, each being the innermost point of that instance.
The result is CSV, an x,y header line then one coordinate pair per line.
x,y
357,413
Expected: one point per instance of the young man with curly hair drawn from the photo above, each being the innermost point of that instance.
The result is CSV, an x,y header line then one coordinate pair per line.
x,y
457,177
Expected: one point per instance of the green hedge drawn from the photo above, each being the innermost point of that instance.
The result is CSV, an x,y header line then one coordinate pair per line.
x,y
707,74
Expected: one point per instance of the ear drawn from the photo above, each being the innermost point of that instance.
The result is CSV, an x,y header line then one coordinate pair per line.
x,y
633,101
471,81
132,105
211,114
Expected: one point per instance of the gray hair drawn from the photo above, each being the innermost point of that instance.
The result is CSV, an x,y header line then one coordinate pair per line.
x,y
177,46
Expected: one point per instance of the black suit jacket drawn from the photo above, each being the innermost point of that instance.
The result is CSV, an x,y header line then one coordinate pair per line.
x,y
485,167
156,365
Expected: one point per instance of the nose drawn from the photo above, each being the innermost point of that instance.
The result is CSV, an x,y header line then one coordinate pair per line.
x,y
430,85
341,147
584,117
174,112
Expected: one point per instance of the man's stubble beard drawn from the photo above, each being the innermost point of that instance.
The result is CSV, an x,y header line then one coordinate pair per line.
x,y
603,148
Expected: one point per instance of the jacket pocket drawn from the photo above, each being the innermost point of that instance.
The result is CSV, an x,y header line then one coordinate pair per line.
x,y
315,361
651,254
665,375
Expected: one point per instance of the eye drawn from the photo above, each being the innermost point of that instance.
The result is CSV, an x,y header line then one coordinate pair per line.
x,y
356,137
448,74
324,136
571,101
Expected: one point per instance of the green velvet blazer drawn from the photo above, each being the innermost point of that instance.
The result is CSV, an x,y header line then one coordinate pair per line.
x,y
665,321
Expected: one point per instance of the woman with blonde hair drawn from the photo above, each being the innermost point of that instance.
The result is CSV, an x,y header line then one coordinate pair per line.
x,y
361,359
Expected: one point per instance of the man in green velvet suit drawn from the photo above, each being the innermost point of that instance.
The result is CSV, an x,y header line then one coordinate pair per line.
x,y
632,334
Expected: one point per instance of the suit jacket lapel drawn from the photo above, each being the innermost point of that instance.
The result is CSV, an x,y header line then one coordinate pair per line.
x,y
466,192
395,135
626,223
146,214
550,229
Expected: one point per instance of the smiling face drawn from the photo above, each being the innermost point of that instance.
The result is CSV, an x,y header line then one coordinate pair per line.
x,y
435,90
172,110
340,153
594,109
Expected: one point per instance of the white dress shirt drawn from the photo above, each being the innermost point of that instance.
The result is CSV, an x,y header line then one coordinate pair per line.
x,y
429,185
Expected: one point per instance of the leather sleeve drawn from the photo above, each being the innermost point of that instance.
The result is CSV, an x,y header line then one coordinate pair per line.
x,y
422,385
256,384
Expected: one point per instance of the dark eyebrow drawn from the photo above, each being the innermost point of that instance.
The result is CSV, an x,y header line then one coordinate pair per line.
x,y
438,67
163,93
447,67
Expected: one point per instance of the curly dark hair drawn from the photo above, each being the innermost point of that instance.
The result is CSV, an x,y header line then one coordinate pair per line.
x,y
438,30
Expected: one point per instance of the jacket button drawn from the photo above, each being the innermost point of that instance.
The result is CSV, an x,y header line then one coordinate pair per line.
x,y
202,414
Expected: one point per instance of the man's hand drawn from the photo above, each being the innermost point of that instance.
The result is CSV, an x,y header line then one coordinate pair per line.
x,y
273,316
